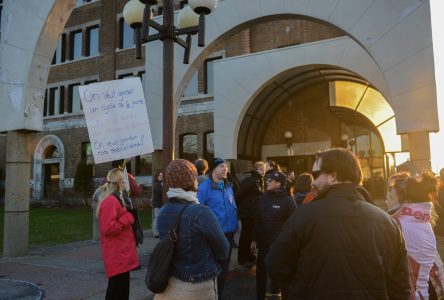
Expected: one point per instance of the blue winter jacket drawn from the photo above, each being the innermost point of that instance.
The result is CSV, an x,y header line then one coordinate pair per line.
x,y
221,202
200,243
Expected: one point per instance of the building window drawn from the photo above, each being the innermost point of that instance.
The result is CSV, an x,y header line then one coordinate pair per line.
x,y
76,45
59,54
144,165
141,75
192,88
188,147
45,104
126,75
208,74
209,145
73,98
1,8
54,102
92,40
126,35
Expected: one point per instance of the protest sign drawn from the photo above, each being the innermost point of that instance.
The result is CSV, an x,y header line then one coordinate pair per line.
x,y
117,119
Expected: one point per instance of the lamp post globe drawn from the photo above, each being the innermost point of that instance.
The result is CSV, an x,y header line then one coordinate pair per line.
x,y
133,13
203,6
187,18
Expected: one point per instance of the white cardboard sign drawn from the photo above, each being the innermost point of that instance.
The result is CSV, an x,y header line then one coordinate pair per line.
x,y
117,119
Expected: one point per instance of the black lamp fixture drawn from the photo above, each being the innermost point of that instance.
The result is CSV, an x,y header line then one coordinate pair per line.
x,y
137,13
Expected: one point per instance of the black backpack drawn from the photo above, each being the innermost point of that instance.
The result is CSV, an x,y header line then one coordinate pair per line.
x,y
159,265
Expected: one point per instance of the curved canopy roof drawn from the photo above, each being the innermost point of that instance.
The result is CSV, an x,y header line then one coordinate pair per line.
x,y
352,100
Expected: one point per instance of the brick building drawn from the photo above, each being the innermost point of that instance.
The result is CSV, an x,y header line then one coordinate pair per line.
x,y
306,107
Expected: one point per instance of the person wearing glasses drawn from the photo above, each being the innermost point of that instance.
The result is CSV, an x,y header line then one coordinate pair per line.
x,y
274,208
340,246
250,190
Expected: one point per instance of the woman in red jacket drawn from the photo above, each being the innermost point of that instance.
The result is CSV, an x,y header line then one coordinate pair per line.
x,y
116,236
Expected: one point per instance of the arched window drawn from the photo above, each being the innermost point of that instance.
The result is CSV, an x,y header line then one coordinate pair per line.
x,y
209,145
188,146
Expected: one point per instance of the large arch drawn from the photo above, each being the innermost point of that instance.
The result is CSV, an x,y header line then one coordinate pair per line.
x,y
236,89
399,45
27,49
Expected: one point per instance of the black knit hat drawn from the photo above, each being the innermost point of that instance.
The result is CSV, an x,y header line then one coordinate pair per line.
x,y
215,162
279,177
181,173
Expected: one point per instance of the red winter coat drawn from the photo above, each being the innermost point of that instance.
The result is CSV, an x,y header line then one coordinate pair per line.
x,y
117,237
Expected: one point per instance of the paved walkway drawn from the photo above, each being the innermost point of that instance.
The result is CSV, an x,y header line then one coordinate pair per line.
x,y
75,271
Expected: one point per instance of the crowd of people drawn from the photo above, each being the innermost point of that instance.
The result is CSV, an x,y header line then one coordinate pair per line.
x,y
318,235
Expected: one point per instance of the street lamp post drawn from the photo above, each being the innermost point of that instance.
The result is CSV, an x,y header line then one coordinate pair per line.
x,y
137,13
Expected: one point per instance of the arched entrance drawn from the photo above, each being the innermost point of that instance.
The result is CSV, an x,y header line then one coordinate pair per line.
x,y
302,112
49,169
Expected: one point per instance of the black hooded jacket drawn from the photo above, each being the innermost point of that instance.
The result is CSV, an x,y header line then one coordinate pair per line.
x,y
341,247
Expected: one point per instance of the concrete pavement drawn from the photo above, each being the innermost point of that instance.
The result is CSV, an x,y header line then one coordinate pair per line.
x,y
75,271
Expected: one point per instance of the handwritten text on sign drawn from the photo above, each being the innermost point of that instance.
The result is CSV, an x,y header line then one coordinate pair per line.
x,y
117,119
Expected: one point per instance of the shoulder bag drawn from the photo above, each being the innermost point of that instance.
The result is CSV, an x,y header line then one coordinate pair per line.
x,y
159,265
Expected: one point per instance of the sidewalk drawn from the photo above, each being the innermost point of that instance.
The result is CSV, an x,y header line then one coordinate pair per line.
x,y
75,271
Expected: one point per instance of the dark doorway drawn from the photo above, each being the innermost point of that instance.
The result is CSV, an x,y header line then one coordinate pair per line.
x,y
51,179
298,164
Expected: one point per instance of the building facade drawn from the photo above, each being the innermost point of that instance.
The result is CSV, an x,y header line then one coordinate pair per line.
x,y
275,83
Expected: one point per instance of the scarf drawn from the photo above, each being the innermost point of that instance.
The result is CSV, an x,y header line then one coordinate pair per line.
x,y
185,195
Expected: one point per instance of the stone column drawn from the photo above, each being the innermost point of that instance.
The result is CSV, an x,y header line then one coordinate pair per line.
x,y
419,148
18,169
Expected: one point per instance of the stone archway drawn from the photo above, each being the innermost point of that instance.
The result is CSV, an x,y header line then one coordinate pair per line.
x,y
40,160
238,88
30,30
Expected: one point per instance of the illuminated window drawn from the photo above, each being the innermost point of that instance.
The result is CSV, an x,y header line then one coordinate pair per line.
x,y
372,105
188,147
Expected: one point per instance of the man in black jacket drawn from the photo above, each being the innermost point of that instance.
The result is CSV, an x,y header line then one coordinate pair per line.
x,y
247,196
339,246
274,208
